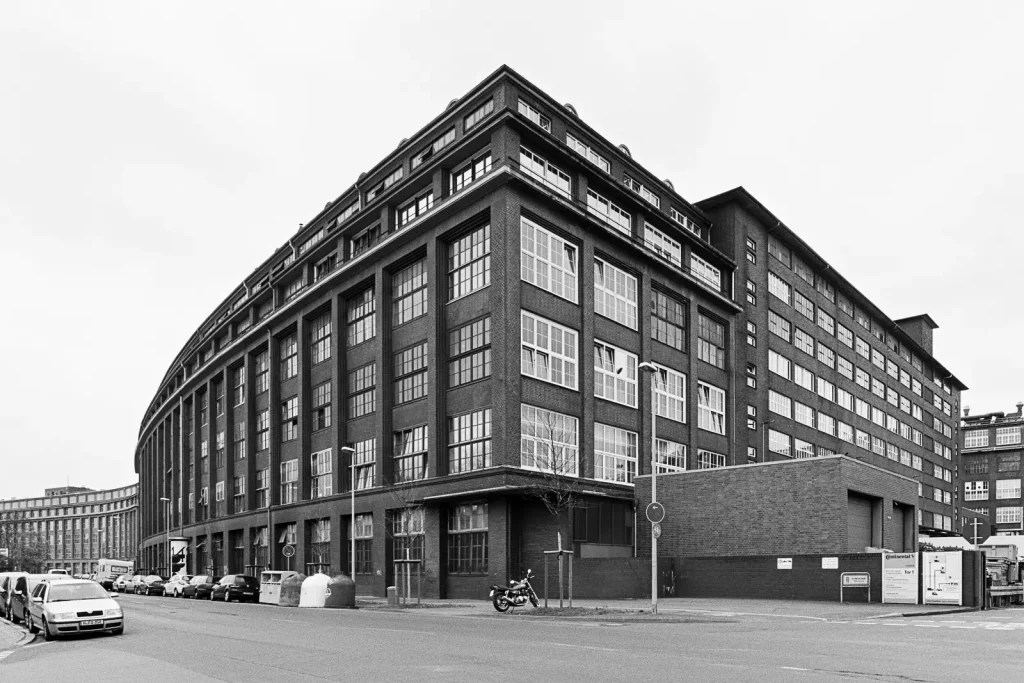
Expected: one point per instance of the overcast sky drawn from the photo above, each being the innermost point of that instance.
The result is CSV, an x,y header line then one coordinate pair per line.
x,y
151,158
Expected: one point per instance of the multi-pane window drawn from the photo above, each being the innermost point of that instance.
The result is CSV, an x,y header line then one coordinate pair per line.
x,y
408,533
878,359
802,449
389,180
663,245
365,462
779,442
779,404
238,443
803,305
549,351
262,367
221,446
218,390
803,341
668,320
779,288
361,317
710,341
802,271
1009,515
576,145
289,481
529,112
1008,488
239,386
362,534
705,272
219,492
433,148
615,373
670,394
615,294
1007,435
469,263
751,333
779,364
362,390
469,352
321,466
415,207
320,338
751,292
477,115
826,424
548,261
826,322
779,326
607,211
975,490
615,454
779,251
844,399
863,349
467,539
471,172
975,438
639,188
409,298
290,419
803,377
826,356
321,417
544,171
262,488
294,288
845,367
549,441
844,335
826,289
709,460
410,372
325,267
862,378
804,414
289,357
410,454
710,408
469,441
1009,462
826,389
238,494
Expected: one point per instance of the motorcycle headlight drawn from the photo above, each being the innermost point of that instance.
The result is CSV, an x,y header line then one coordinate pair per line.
x,y
116,612
63,616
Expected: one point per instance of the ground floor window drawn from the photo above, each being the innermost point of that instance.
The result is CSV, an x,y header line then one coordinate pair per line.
x,y
467,539
363,535
407,532
318,549
603,522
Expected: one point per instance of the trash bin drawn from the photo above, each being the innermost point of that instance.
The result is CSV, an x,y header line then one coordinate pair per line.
x,y
341,592
314,591
392,596
270,586
291,589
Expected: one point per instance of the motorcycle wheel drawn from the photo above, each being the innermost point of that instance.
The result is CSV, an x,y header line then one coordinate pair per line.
x,y
499,602
533,599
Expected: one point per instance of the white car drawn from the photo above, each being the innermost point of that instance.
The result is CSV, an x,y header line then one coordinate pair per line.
x,y
175,586
120,583
72,606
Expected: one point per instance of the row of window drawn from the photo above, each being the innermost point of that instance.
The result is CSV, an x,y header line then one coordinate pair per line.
x,y
1006,462
1005,488
979,438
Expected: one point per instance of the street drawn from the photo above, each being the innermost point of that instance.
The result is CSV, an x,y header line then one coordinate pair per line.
x,y
184,640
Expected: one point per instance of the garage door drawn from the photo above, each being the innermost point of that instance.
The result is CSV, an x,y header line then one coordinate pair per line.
x,y
896,532
858,523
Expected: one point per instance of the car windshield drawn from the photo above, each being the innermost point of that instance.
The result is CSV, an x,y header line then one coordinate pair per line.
x,y
76,591
249,581
153,577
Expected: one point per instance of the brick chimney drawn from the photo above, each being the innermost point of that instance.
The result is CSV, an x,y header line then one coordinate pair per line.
x,y
919,327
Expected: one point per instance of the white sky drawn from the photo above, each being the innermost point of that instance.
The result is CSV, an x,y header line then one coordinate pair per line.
x,y
151,158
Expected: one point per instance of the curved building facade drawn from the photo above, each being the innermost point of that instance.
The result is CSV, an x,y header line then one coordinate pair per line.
x,y
76,525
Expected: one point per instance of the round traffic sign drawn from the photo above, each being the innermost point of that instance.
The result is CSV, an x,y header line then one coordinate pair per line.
x,y
655,512
288,550
656,530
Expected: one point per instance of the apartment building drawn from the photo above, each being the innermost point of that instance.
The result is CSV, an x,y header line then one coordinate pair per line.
x,y
991,470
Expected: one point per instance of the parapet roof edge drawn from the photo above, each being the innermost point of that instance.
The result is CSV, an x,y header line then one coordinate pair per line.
x,y
746,200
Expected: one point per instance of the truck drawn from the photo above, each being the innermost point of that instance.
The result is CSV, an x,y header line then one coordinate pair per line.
x,y
107,571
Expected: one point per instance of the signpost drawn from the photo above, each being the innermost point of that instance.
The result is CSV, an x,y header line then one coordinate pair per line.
x,y
899,578
288,551
855,580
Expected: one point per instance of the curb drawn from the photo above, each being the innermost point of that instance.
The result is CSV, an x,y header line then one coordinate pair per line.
x,y
934,613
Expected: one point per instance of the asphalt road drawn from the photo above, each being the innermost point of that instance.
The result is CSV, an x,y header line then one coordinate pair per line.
x,y
184,640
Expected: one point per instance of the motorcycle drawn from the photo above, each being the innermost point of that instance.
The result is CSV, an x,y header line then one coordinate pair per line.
x,y
514,595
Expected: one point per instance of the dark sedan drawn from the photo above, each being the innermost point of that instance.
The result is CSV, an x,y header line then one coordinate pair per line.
x,y
204,591
236,587
150,585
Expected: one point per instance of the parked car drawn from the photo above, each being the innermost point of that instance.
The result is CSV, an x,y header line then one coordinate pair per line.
x,y
175,586
7,582
21,596
189,589
58,571
133,585
150,585
236,587
204,591
72,606
120,583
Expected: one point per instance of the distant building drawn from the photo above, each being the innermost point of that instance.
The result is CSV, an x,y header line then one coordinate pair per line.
x,y
991,473
79,525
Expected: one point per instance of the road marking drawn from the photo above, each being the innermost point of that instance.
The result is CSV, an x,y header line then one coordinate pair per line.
x,y
794,668
5,654
928,625
38,644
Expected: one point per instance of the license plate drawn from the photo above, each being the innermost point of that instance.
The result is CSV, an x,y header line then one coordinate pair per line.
x,y
90,622
248,593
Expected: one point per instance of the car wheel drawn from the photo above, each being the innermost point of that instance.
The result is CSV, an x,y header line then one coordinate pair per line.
x,y
15,618
118,631
32,628
227,596
46,631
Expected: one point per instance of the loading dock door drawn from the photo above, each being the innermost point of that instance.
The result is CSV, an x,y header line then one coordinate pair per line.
x,y
896,528
858,523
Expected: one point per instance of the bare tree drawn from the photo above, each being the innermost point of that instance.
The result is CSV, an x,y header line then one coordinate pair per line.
x,y
21,547
319,547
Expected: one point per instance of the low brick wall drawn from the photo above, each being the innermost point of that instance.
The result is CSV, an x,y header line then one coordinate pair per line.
x,y
598,578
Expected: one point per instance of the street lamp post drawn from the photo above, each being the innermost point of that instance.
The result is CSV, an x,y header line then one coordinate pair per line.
x,y
655,378
352,494
167,546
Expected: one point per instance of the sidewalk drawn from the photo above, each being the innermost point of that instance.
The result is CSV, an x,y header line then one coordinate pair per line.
x,y
721,607
10,634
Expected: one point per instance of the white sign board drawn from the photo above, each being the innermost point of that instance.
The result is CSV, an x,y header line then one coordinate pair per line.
x,y
830,563
899,578
942,575
784,563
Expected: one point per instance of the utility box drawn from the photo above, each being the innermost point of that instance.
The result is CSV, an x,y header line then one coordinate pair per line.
x,y
291,590
392,596
270,586
341,592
